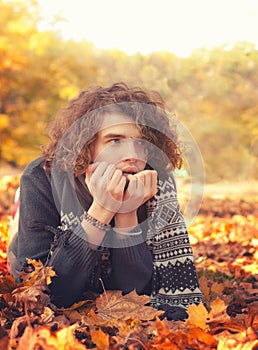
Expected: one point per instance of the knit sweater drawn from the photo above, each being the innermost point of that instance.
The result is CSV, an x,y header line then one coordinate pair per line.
x,y
159,262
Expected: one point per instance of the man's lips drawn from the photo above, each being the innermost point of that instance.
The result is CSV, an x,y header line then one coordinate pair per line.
x,y
130,171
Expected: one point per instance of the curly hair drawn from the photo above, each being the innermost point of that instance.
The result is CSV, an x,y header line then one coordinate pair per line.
x,y
74,131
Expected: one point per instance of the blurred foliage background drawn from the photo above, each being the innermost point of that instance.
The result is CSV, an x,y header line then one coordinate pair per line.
x,y
213,92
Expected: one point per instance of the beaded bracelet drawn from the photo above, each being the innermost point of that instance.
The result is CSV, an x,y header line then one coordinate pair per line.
x,y
96,223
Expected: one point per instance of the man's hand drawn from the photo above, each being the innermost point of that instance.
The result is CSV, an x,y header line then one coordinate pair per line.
x,y
142,186
106,185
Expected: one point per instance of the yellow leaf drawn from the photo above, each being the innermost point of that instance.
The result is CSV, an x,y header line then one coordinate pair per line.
x,y
217,307
218,311
198,316
4,121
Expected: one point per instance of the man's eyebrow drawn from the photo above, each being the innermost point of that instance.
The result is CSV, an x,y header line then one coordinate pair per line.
x,y
110,136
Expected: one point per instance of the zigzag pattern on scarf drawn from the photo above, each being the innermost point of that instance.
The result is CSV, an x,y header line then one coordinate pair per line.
x,y
174,278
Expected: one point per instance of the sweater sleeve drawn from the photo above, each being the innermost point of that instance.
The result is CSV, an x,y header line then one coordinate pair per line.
x,y
71,258
132,267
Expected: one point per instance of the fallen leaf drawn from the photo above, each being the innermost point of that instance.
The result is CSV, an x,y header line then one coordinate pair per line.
x,y
204,288
112,304
19,325
44,338
7,284
198,316
230,325
40,274
32,298
202,336
47,315
246,340
100,339
217,288
218,310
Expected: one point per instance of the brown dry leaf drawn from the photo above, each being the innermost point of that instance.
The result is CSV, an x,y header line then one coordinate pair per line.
x,y
218,310
125,327
19,324
198,316
100,339
47,315
31,292
77,311
43,338
112,304
93,319
204,288
230,325
7,284
251,319
217,288
32,298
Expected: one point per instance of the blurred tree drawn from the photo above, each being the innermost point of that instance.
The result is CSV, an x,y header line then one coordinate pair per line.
x,y
38,74
213,92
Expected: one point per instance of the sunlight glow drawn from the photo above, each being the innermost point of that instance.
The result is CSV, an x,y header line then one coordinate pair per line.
x,y
144,26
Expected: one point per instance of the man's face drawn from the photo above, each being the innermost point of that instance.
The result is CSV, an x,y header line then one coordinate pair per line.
x,y
119,142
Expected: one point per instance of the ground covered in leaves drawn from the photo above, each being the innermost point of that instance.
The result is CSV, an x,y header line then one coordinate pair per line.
x,y
224,237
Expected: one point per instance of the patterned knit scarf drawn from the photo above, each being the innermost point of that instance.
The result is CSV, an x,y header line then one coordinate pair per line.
x,y
174,280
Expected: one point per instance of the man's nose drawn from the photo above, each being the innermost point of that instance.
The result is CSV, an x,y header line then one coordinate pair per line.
x,y
130,151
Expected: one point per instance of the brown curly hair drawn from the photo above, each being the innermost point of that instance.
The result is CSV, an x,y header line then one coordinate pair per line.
x,y
73,132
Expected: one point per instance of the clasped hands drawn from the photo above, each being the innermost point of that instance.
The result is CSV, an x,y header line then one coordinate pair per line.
x,y
107,184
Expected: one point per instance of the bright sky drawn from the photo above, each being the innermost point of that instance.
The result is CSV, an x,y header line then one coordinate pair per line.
x,y
178,26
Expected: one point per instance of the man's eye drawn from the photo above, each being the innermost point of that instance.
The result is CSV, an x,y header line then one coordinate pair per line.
x,y
114,141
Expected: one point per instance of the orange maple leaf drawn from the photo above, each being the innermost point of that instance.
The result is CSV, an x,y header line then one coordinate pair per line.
x,y
198,316
218,310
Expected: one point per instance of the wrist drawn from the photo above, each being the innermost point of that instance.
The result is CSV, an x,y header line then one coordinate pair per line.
x,y
100,213
126,220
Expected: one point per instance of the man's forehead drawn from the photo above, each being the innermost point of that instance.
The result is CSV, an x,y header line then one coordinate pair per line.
x,y
120,130
118,124
112,119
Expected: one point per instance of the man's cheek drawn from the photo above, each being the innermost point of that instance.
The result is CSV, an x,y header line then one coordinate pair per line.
x,y
110,155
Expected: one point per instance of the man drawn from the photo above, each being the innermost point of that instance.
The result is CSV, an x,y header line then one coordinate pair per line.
x,y
100,205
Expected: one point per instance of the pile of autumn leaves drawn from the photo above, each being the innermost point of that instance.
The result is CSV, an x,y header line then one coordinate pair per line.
x,y
225,249
113,321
